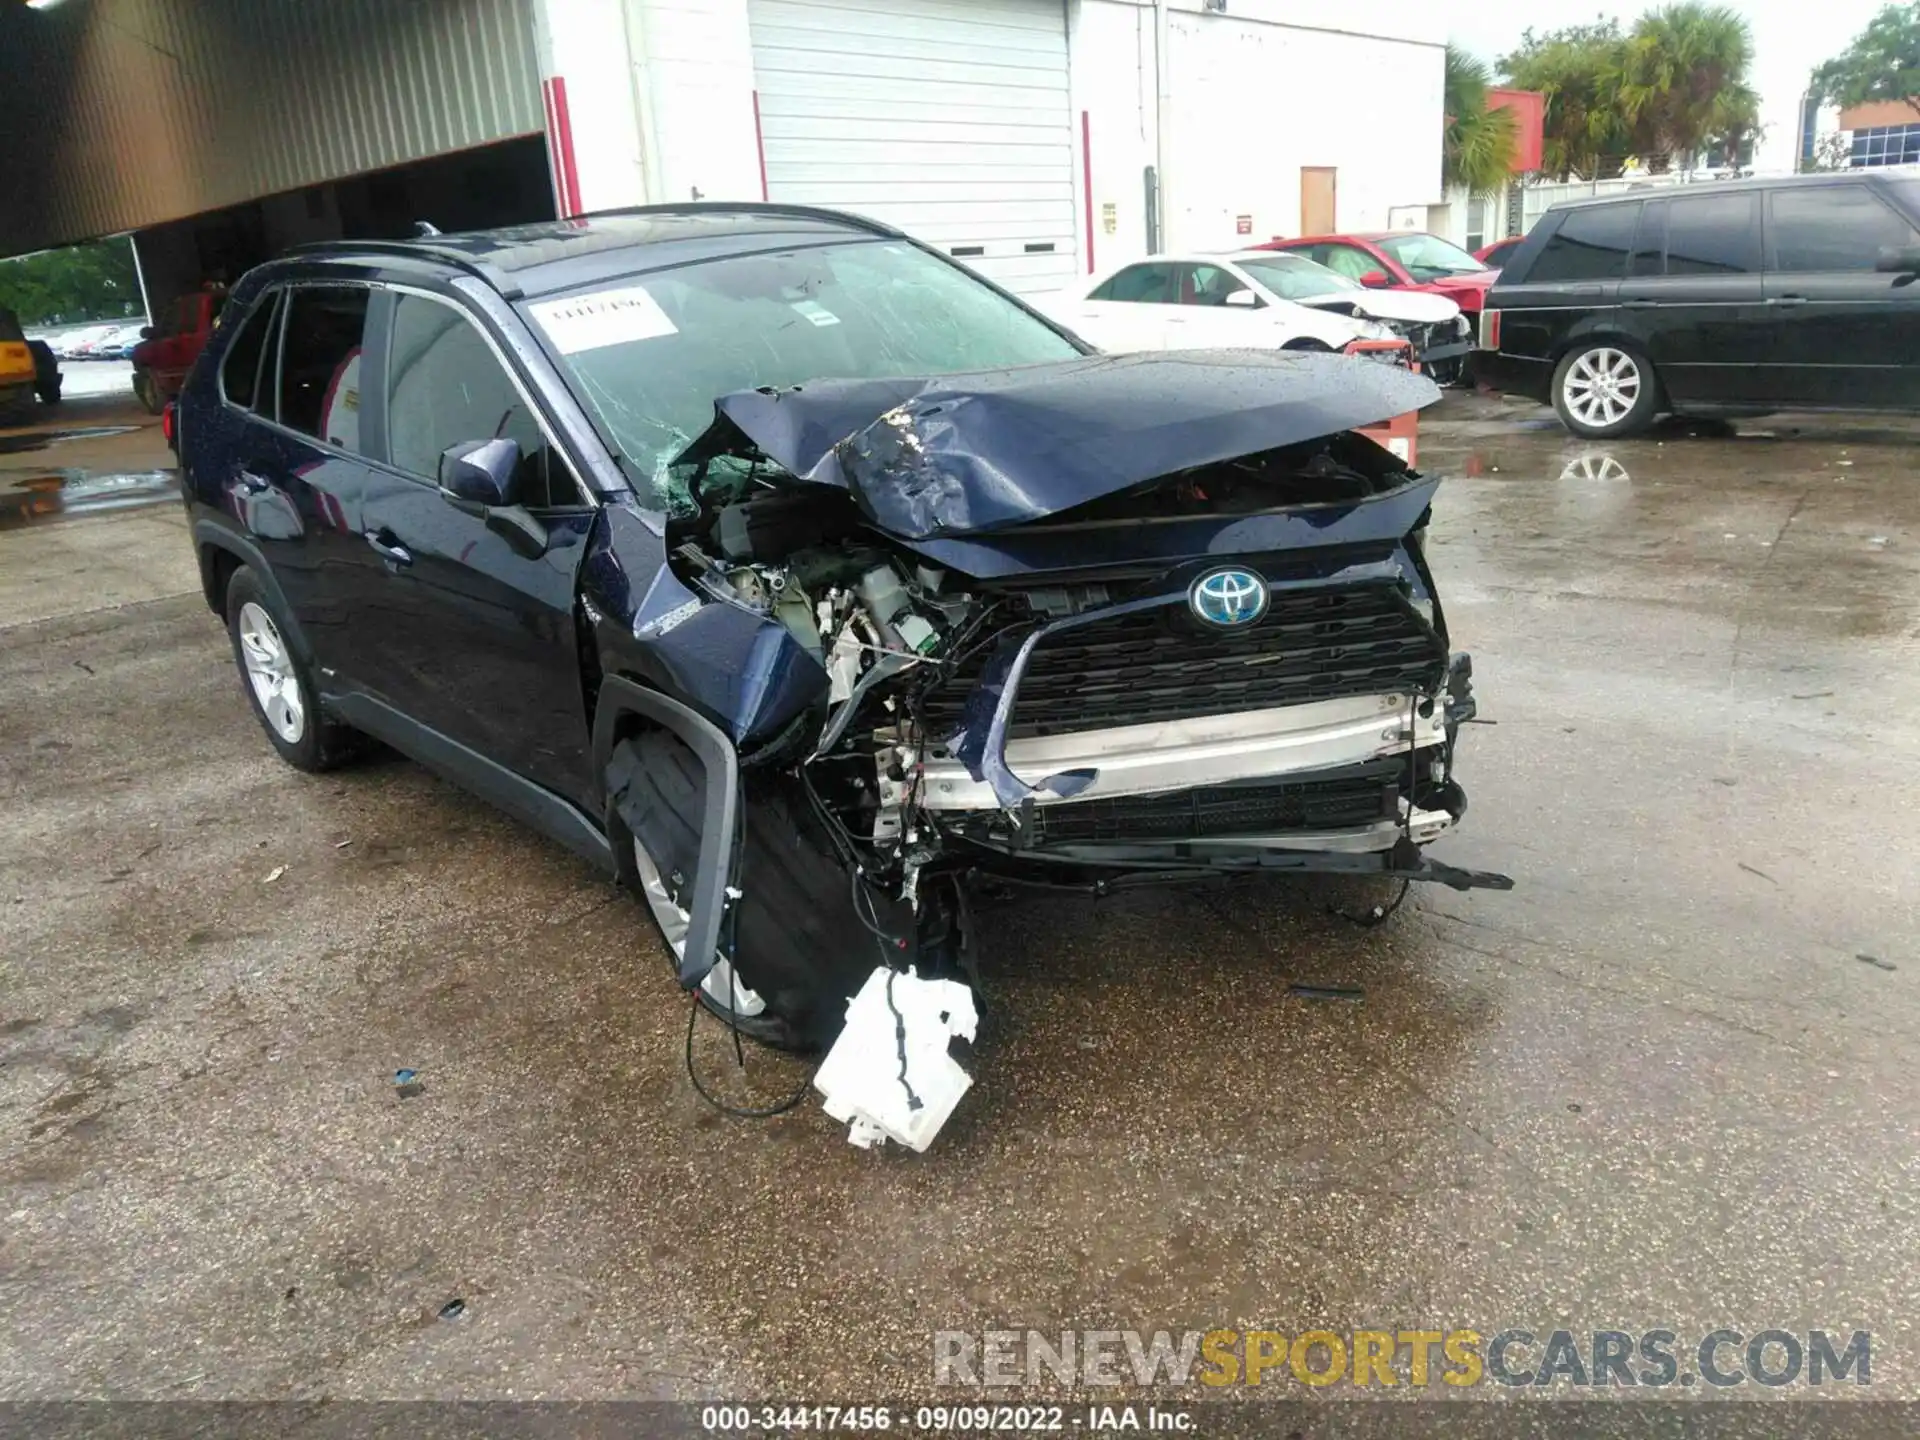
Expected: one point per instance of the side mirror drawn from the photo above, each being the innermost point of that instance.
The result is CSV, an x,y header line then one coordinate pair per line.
x,y
147,332
477,475
1243,300
1376,280
1899,260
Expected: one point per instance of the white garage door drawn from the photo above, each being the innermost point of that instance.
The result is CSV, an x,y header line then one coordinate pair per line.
x,y
948,118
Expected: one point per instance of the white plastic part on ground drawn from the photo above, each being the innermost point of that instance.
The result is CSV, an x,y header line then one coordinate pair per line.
x,y
861,1080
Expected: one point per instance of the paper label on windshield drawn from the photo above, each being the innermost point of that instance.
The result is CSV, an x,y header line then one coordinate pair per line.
x,y
606,317
814,311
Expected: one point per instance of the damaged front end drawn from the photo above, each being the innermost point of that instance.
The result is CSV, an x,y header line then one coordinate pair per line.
x,y
1144,616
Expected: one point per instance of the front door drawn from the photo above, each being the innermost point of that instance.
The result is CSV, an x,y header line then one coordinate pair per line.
x,y
1317,208
1842,333
470,628
1693,298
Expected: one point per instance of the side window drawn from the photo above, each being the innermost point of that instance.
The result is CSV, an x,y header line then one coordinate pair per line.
x,y
1591,244
1140,285
446,387
1206,285
1714,235
1829,227
320,362
1650,241
240,371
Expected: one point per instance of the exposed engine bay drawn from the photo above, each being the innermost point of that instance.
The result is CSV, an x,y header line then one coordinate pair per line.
x,y
1004,633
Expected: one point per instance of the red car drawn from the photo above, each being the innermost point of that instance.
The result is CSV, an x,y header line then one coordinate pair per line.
x,y
162,358
1401,260
1494,256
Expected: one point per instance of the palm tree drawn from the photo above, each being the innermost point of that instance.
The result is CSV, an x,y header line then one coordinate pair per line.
x,y
1683,81
1476,152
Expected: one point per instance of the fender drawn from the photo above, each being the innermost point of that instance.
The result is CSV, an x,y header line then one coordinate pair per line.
x,y
719,823
220,537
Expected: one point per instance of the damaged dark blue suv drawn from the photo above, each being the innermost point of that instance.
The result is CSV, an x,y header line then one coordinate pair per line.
x,y
802,578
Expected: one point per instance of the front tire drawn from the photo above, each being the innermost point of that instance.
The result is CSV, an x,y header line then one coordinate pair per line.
x,y
800,947
146,392
279,682
1605,389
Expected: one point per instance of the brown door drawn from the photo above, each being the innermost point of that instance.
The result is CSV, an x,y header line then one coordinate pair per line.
x,y
1316,199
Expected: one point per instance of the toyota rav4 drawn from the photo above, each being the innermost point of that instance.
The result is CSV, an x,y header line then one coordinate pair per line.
x,y
803,578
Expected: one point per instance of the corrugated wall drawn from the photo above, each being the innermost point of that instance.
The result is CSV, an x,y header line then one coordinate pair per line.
x,y
116,114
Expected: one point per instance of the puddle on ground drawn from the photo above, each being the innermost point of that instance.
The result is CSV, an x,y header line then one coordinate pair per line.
x,y
41,439
26,499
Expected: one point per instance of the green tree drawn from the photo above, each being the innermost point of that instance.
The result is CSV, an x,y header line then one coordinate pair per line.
x,y
1882,63
1674,85
1477,151
1683,82
95,281
1578,69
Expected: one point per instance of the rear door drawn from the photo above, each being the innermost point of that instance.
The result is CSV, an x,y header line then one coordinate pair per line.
x,y
1134,309
1842,333
470,633
292,472
1694,300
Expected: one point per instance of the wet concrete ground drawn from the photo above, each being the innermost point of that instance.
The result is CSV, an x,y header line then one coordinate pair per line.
x,y
1660,1084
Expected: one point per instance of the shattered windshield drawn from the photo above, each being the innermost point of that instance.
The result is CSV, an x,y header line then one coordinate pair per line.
x,y
649,356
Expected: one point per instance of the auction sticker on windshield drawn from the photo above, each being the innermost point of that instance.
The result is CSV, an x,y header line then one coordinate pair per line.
x,y
606,317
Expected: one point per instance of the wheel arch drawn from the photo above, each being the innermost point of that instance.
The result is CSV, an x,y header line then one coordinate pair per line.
x,y
624,708
221,552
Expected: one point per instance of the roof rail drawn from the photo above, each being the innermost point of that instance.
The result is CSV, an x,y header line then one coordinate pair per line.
x,y
422,249
751,207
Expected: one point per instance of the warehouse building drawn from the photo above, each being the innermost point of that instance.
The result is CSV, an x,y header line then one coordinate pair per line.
x,y
1034,139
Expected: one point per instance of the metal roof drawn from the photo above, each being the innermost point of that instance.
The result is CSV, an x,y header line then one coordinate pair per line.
x,y
120,114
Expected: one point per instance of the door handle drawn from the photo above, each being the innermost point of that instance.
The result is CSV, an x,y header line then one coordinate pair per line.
x,y
1638,304
389,548
1789,300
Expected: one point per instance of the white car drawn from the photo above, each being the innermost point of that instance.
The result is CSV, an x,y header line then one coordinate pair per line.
x,y
1260,298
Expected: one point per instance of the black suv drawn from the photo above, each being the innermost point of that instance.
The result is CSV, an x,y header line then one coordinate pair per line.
x,y
1735,298
568,514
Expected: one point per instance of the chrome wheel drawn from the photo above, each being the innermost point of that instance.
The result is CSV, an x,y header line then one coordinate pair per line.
x,y
672,919
1594,465
1602,387
270,671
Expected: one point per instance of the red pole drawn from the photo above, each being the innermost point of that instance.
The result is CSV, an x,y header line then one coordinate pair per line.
x,y
1086,180
760,144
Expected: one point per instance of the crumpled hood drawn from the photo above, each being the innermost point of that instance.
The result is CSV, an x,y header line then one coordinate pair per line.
x,y
962,454
1410,307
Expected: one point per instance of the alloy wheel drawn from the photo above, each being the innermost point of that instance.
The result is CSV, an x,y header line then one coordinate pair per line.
x,y
270,671
1602,387
744,1002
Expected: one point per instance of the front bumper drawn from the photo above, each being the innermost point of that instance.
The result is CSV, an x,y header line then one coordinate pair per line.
x,y
1182,754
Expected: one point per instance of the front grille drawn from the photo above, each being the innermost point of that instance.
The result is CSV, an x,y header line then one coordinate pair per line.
x,y
1358,796
1152,665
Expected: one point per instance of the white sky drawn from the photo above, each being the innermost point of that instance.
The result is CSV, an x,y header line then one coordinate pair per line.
x,y
1789,39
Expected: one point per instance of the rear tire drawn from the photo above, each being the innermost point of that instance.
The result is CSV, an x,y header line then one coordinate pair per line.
x,y
801,949
146,392
278,681
1605,389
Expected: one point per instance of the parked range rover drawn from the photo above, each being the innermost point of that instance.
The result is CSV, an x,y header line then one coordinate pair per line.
x,y
782,566
1726,299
